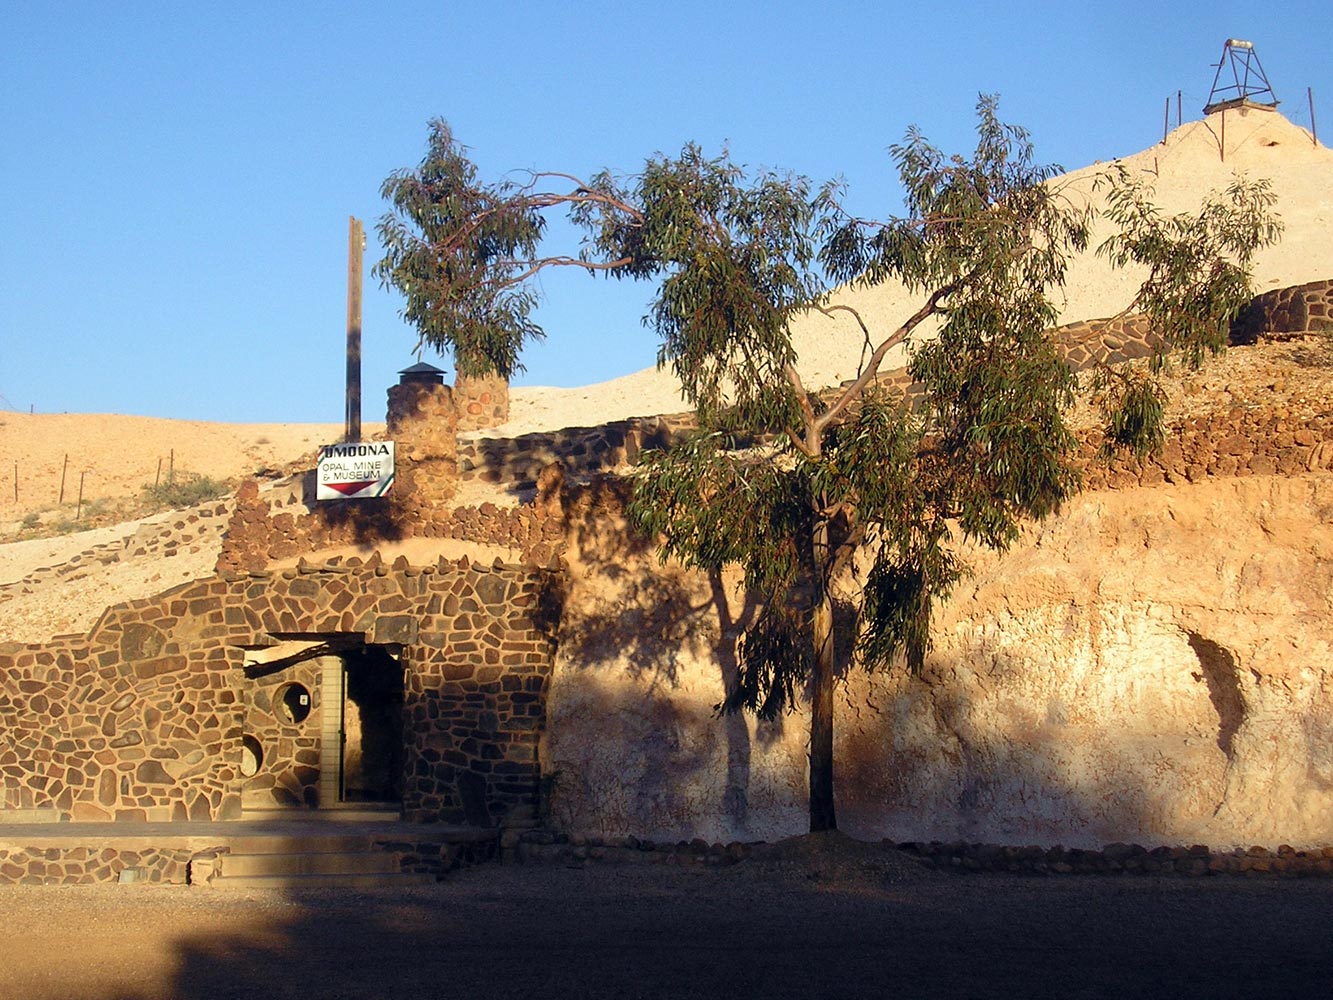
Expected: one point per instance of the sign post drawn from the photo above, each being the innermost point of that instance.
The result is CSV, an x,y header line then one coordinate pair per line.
x,y
356,243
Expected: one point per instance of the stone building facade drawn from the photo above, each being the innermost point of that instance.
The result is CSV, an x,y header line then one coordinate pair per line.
x,y
170,709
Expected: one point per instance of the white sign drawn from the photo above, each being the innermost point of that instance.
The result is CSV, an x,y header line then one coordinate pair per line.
x,y
354,471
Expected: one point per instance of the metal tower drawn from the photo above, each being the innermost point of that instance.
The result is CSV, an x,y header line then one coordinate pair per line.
x,y
1248,87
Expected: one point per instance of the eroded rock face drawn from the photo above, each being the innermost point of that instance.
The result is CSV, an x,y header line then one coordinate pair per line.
x,y
1152,665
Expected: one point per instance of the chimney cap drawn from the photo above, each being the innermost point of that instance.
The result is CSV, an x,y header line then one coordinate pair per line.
x,y
421,372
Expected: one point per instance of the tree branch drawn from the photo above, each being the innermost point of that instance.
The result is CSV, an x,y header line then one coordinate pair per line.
x,y
854,391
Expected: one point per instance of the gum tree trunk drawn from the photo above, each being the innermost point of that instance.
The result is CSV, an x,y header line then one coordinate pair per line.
x,y
822,815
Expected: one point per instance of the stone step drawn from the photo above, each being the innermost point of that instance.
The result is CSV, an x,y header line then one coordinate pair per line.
x,y
365,862
342,880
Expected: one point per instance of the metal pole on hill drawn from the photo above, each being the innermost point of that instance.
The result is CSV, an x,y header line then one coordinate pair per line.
x,y
356,244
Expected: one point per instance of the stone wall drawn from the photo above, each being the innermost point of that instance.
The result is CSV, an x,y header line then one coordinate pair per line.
x,y
1244,441
1296,310
144,718
47,865
581,451
482,402
544,847
267,529
163,536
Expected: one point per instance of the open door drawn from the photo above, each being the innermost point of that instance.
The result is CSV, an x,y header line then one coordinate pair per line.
x,y
371,737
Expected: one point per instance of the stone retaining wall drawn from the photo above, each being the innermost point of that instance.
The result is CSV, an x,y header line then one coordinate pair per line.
x,y
161,537
546,847
264,530
581,451
1292,311
50,863
1129,859
89,865
1241,442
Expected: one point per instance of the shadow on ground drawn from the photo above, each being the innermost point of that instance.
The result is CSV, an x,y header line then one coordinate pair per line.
x,y
756,930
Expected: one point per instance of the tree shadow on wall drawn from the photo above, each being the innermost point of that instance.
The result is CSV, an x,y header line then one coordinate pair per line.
x,y
954,756
658,625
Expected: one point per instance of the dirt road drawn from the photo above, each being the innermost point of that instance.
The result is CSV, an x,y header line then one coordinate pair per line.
x,y
664,932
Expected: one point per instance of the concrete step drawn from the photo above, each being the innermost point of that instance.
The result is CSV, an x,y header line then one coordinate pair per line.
x,y
351,812
343,880
365,862
298,842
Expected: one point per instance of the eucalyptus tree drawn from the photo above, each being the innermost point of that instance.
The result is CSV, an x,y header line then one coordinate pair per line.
x,y
448,233
796,487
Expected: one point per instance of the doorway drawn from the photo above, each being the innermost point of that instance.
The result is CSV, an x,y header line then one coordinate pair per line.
x,y
371,726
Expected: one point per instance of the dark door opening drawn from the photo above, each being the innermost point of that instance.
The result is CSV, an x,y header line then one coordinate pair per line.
x,y
372,726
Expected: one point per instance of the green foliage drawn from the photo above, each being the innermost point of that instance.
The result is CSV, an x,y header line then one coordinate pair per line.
x,y
734,257
1198,279
1198,263
182,490
1133,403
454,248
715,506
990,215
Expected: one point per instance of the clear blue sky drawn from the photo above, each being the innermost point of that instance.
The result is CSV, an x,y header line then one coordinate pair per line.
x,y
177,177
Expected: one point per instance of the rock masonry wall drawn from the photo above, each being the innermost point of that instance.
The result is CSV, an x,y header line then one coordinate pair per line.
x,y
482,402
143,718
46,865
422,420
1289,311
580,451
162,537
265,529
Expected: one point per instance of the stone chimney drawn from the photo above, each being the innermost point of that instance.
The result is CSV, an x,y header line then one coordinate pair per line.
x,y
423,424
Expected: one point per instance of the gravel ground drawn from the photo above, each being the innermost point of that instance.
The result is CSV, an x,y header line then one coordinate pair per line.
x,y
791,923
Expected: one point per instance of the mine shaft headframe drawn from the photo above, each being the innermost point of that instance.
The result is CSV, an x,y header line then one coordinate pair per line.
x,y
1240,80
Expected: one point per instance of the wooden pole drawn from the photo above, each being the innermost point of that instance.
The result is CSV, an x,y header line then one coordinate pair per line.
x,y
16,482
1178,109
1314,131
157,479
1223,148
1166,120
62,480
171,467
78,510
356,244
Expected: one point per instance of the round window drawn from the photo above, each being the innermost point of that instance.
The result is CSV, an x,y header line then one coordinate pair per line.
x,y
252,756
291,703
